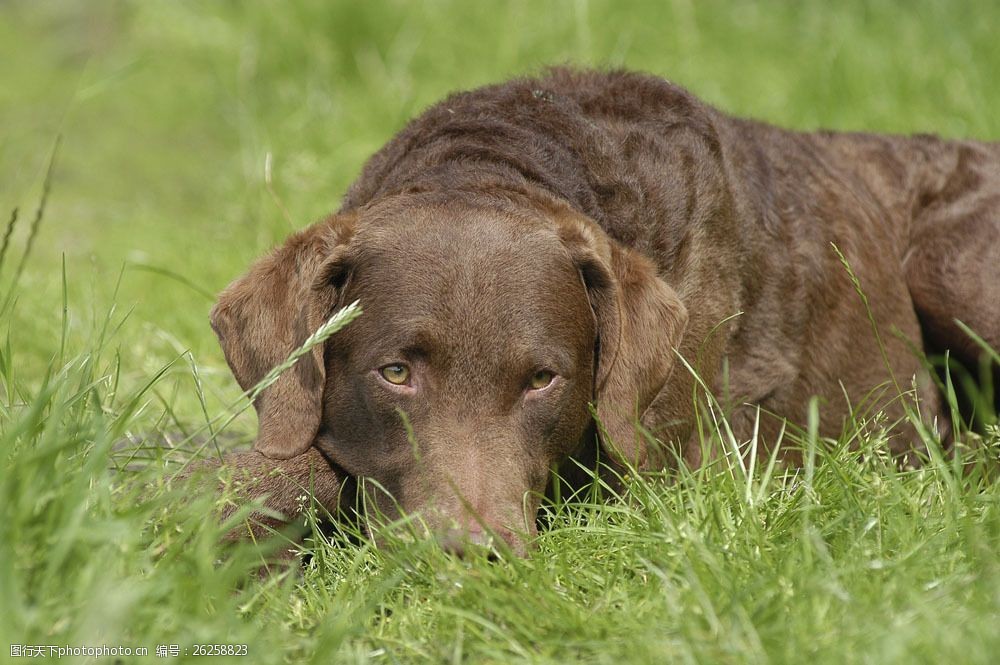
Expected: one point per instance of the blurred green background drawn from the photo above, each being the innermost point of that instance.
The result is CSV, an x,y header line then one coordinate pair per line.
x,y
168,111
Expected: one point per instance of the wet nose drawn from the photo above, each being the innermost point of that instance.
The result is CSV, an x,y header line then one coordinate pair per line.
x,y
463,542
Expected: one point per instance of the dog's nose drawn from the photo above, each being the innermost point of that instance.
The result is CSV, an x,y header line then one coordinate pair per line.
x,y
463,542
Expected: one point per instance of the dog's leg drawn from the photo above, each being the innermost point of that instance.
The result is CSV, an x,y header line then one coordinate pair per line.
x,y
953,262
284,486
952,265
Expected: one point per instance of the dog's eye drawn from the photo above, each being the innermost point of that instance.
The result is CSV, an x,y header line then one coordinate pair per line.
x,y
540,379
395,374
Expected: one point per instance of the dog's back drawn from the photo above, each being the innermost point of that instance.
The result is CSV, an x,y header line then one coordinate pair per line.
x,y
748,222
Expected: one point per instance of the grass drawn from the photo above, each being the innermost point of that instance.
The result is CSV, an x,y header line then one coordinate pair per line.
x,y
110,376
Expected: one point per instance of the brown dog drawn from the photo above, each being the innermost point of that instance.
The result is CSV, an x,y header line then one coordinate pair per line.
x,y
525,250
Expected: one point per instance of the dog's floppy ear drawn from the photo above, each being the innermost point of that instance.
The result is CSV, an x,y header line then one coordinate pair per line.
x,y
269,312
640,321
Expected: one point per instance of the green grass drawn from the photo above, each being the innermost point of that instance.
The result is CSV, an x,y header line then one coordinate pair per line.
x,y
109,371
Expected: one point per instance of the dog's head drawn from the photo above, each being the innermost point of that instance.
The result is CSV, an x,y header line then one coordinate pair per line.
x,y
489,328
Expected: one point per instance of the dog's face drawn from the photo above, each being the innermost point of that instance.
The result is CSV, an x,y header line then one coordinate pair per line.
x,y
478,335
486,334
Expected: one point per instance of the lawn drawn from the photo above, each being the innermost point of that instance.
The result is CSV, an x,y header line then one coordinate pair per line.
x,y
186,138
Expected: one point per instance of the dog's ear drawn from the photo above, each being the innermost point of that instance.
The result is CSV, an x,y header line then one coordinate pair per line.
x,y
640,321
269,312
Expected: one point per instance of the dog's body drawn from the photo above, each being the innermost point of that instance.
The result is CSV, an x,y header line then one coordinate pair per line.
x,y
590,229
